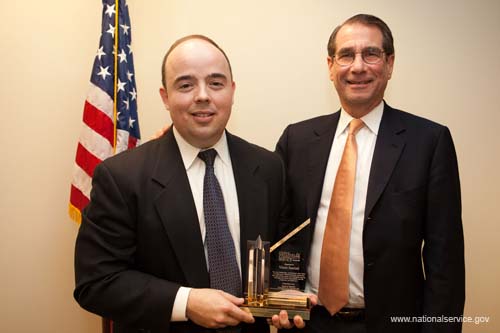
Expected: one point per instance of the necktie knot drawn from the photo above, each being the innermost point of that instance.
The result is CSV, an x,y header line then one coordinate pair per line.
x,y
208,156
355,125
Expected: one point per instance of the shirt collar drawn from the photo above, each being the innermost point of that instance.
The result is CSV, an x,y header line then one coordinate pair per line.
x,y
189,152
372,119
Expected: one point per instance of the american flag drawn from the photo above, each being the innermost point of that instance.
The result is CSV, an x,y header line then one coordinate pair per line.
x,y
110,120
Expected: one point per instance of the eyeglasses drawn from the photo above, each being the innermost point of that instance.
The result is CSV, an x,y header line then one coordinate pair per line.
x,y
370,55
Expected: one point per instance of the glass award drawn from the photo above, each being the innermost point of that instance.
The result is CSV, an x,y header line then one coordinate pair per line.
x,y
272,288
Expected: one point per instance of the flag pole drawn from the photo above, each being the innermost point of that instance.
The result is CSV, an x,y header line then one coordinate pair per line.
x,y
107,324
115,85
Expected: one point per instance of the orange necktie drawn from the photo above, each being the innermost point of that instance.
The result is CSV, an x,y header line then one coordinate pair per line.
x,y
334,270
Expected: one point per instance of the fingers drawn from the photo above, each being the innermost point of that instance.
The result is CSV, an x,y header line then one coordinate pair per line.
x,y
281,321
299,322
215,309
235,311
233,299
314,299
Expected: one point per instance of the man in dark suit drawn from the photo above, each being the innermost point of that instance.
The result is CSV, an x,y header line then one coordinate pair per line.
x,y
405,249
142,257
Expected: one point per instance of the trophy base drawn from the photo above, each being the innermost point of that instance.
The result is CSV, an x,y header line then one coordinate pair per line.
x,y
268,311
294,302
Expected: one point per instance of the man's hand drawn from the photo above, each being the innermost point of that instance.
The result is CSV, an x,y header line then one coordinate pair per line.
x,y
281,321
215,309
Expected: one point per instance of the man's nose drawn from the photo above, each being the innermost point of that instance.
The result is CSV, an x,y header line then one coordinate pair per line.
x,y
202,95
358,64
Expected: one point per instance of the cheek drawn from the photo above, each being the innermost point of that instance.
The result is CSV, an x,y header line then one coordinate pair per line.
x,y
180,104
338,75
178,111
223,102
385,72
337,81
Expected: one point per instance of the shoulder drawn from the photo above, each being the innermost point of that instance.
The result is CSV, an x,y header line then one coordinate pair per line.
x,y
320,123
253,156
297,137
422,137
412,120
133,158
240,147
415,126
138,164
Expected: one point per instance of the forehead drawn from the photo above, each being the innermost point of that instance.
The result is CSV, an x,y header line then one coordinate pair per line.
x,y
358,35
197,58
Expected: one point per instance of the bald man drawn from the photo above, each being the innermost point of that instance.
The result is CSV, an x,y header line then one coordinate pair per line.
x,y
141,254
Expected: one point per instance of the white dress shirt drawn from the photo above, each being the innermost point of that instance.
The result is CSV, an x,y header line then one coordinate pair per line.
x,y
365,139
195,169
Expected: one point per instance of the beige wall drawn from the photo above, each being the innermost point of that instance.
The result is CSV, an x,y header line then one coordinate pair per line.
x,y
447,68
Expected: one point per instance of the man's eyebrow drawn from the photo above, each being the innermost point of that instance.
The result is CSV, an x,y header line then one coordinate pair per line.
x,y
217,76
183,78
371,48
352,49
191,77
346,49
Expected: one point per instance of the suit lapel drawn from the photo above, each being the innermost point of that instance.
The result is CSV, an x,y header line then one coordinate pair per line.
x,y
252,195
319,148
388,148
175,206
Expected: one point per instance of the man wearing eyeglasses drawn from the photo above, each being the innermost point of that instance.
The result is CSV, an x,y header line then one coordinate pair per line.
x,y
385,247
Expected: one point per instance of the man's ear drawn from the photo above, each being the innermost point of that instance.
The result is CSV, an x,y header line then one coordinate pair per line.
x,y
390,64
329,61
233,86
164,97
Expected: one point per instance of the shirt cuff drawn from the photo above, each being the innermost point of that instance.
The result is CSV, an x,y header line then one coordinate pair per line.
x,y
180,305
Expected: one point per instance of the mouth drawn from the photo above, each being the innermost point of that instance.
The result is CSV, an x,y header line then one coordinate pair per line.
x,y
359,82
203,116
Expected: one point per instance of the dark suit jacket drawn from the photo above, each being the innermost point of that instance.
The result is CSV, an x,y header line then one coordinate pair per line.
x,y
412,214
140,240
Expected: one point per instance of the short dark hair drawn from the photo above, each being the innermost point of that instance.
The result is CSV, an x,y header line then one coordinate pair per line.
x,y
182,40
365,19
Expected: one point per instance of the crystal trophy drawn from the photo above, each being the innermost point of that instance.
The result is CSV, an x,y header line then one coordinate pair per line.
x,y
264,301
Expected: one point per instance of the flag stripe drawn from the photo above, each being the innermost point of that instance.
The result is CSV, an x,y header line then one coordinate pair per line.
x,y
78,199
121,140
95,143
100,100
99,122
86,160
82,181
132,142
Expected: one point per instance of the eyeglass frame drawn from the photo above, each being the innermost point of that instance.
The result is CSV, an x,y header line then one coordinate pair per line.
x,y
367,49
